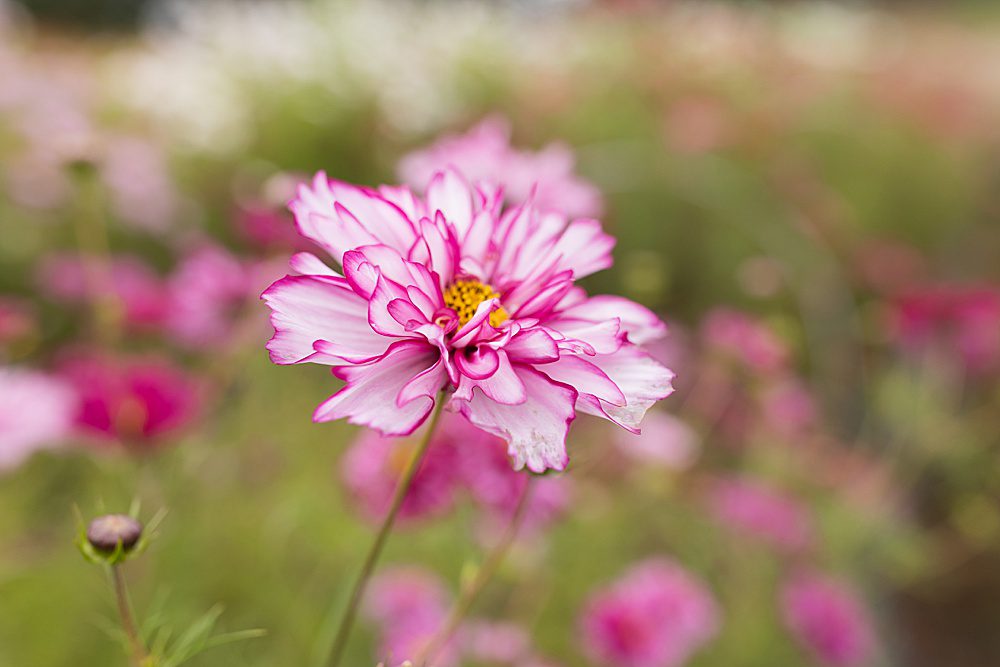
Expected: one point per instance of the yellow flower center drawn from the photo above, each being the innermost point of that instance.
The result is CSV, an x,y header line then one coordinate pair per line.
x,y
464,296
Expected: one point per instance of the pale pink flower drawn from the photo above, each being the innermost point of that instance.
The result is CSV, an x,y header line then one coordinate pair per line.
x,y
665,441
141,188
484,154
206,290
745,340
452,295
36,412
762,513
136,287
409,605
496,643
828,619
136,401
372,466
788,407
954,320
657,615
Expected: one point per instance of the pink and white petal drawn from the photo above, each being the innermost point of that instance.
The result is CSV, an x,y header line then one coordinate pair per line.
x,y
306,309
585,248
532,346
428,383
544,302
535,430
380,318
309,264
586,378
589,337
642,380
449,193
477,328
404,199
499,382
384,220
640,323
373,390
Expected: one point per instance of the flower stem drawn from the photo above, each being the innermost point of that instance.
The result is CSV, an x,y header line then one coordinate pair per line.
x,y
371,559
138,650
469,593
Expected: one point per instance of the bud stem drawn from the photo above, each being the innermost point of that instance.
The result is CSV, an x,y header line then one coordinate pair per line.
x,y
469,593
371,559
138,650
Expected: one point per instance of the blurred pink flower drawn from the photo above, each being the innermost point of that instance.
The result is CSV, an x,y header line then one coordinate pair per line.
x,y
761,512
62,277
744,339
206,290
409,605
496,643
36,411
828,619
454,298
17,320
136,401
142,190
657,615
484,154
788,407
953,320
665,441
372,466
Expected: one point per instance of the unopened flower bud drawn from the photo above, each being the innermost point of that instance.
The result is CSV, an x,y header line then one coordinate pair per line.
x,y
105,532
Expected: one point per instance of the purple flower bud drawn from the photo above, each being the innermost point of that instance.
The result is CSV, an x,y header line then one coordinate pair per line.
x,y
105,532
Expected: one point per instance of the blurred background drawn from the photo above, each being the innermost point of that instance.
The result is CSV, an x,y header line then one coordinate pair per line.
x,y
808,193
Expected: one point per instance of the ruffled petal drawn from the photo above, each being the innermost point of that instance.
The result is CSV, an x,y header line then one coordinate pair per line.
x,y
642,380
535,430
307,309
639,323
375,397
584,248
492,373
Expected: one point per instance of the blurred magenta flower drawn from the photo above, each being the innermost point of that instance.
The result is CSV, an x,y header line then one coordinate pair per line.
x,y
956,321
135,401
745,340
454,294
206,290
484,154
656,615
409,605
36,411
827,619
665,442
139,290
372,466
763,513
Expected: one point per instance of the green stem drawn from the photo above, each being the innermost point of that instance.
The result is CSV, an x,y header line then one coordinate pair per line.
x,y
371,559
470,592
138,650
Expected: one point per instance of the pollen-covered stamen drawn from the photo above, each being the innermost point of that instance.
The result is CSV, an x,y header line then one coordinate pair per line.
x,y
464,296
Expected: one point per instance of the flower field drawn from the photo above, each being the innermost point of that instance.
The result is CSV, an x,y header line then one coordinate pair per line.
x,y
521,334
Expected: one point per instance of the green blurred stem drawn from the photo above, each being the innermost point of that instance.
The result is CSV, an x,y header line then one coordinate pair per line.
x,y
95,253
138,650
358,591
484,574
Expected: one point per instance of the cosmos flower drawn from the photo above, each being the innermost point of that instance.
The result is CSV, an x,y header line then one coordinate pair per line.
x,y
461,460
665,442
36,411
484,154
745,340
657,615
827,619
134,401
452,297
409,605
962,322
372,466
760,512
